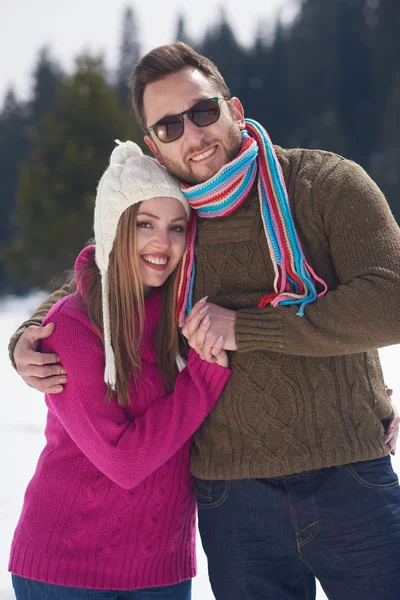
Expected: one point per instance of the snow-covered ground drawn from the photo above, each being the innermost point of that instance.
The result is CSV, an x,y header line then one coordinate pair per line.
x,y
22,416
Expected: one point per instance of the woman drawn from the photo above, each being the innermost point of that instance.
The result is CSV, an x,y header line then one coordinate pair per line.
x,y
110,511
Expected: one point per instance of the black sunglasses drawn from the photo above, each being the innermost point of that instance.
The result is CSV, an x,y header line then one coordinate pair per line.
x,y
203,113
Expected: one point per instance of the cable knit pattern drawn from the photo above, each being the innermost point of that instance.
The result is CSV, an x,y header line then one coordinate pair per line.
x,y
305,392
111,504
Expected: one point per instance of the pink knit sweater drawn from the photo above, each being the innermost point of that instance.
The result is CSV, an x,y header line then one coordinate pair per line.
x,y
111,504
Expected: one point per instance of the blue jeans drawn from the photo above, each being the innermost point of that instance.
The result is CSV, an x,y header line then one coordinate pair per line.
x,y
270,538
28,589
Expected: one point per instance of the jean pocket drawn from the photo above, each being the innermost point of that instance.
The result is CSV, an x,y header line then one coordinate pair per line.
x,y
374,474
211,493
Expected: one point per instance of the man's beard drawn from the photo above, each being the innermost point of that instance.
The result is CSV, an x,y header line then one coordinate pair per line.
x,y
232,148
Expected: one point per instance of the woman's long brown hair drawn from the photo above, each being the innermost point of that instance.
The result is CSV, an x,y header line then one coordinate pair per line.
x,y
126,297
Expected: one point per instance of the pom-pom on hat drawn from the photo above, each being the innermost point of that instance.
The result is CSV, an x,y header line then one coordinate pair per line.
x,y
130,178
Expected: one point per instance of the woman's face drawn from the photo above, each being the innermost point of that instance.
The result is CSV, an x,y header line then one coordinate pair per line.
x,y
160,239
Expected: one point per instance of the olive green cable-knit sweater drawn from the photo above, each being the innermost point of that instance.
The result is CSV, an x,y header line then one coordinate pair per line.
x,y
305,392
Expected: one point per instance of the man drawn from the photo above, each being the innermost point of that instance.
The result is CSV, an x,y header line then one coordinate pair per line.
x,y
300,258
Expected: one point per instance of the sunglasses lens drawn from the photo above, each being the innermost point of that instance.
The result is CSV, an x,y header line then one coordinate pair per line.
x,y
205,112
169,129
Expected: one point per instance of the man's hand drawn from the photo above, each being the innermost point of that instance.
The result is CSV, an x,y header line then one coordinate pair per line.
x,y
222,323
392,431
40,371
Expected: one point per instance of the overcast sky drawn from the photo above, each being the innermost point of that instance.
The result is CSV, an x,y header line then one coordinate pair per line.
x,y
69,27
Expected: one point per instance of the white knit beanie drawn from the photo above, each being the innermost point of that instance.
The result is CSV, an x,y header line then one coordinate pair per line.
x,y
130,178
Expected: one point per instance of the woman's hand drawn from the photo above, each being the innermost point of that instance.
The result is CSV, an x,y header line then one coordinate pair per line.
x,y
222,322
217,355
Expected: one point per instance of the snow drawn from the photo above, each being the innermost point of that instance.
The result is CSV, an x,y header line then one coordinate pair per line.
x,y
22,417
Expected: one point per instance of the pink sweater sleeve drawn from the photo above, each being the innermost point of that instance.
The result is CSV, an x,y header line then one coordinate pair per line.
x,y
126,451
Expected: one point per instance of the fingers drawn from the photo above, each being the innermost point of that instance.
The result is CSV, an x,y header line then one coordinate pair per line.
x,y
202,332
388,438
197,339
34,333
197,331
392,433
217,348
197,307
220,355
208,346
391,444
41,359
25,350
194,318
193,323
26,359
42,372
39,370
202,341
389,391
50,385
30,357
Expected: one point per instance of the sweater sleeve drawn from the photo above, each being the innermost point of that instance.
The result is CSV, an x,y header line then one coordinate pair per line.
x,y
126,451
363,313
38,316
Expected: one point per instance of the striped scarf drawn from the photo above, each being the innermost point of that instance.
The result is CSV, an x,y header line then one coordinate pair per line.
x,y
295,281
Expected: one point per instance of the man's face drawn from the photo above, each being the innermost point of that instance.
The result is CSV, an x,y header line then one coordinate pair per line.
x,y
201,151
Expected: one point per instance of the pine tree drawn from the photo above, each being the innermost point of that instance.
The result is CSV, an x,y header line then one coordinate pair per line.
x,y
386,37
129,54
220,45
254,95
279,99
386,160
46,77
57,189
14,148
355,100
181,35
312,73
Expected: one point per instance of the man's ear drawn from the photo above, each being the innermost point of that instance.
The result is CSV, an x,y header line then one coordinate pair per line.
x,y
150,144
238,111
